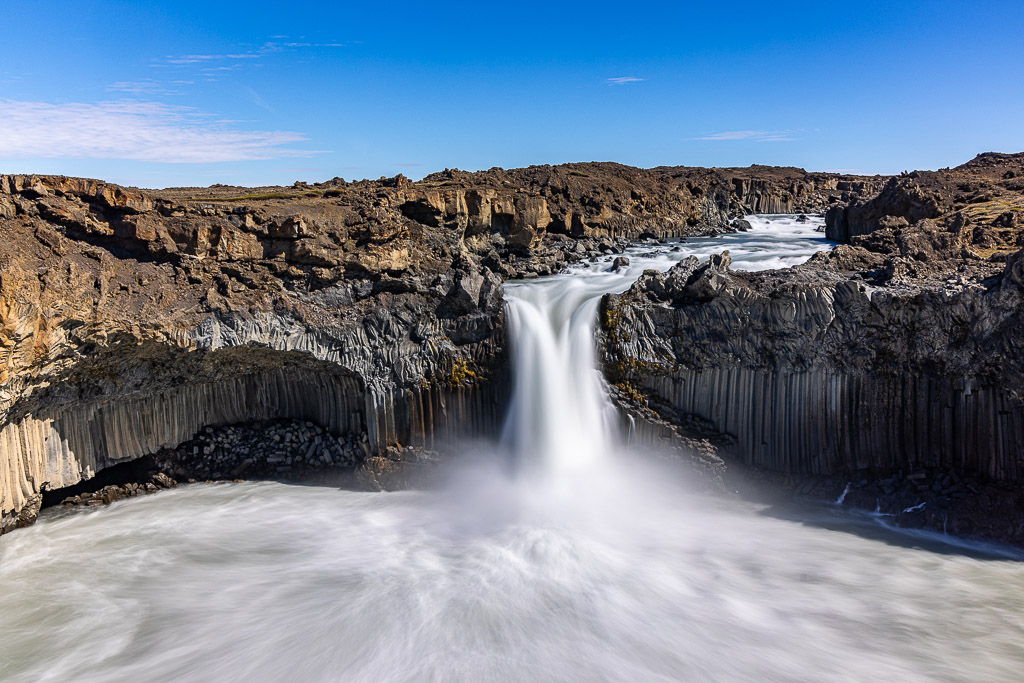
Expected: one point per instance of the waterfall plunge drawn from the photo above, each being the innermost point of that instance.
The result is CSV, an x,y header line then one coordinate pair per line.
x,y
613,578
560,417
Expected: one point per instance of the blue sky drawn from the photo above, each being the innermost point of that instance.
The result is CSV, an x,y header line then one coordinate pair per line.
x,y
196,93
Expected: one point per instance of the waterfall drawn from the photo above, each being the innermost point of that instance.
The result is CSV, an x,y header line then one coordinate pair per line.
x,y
560,416
609,574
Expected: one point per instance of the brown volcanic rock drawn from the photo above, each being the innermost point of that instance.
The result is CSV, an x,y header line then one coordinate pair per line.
x,y
899,351
980,199
131,319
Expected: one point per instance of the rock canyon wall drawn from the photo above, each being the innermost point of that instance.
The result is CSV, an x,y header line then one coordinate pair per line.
x,y
900,350
132,319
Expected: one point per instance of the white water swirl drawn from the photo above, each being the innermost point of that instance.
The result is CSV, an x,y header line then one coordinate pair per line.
x,y
595,567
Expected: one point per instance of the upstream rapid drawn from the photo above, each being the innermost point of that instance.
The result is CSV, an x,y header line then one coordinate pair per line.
x,y
582,564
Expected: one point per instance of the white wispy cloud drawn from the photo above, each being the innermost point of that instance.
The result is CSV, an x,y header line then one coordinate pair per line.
x,y
149,86
256,99
755,135
237,56
623,80
137,131
199,59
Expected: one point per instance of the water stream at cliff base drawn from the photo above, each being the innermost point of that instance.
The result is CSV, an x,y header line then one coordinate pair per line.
x,y
582,564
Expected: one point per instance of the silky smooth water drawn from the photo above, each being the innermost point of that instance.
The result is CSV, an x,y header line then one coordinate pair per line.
x,y
583,564
561,418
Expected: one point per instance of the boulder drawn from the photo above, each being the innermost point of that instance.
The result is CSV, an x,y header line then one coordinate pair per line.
x,y
465,293
620,263
236,245
531,219
292,227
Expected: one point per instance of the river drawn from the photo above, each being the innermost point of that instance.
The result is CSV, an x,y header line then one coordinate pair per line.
x,y
580,563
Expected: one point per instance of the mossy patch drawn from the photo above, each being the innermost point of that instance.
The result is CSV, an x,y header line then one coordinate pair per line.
x,y
460,373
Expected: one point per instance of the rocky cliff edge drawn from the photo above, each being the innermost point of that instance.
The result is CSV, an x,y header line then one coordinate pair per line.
x,y
132,319
899,353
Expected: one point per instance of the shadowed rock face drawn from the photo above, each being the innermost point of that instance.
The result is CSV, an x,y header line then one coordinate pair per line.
x,y
816,373
902,350
132,319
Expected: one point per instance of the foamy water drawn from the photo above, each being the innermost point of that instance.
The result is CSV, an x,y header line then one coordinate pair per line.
x,y
560,417
600,572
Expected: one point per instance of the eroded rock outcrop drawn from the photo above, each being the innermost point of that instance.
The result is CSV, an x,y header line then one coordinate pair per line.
x,y
120,341
979,202
818,373
901,351
132,319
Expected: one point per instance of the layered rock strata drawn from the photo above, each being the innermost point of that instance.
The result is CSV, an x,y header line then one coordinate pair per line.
x,y
131,320
901,351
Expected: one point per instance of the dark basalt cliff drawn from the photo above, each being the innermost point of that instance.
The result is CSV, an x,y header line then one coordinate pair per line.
x,y
900,352
133,319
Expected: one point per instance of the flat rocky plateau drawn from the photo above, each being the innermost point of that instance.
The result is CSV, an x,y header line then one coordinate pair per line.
x,y
164,327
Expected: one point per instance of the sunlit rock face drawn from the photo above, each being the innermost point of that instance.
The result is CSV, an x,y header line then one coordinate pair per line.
x,y
133,318
118,345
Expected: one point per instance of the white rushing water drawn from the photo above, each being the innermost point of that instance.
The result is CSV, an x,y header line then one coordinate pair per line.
x,y
560,417
592,567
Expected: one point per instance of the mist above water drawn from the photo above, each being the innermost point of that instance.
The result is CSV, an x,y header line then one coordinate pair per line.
x,y
587,565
